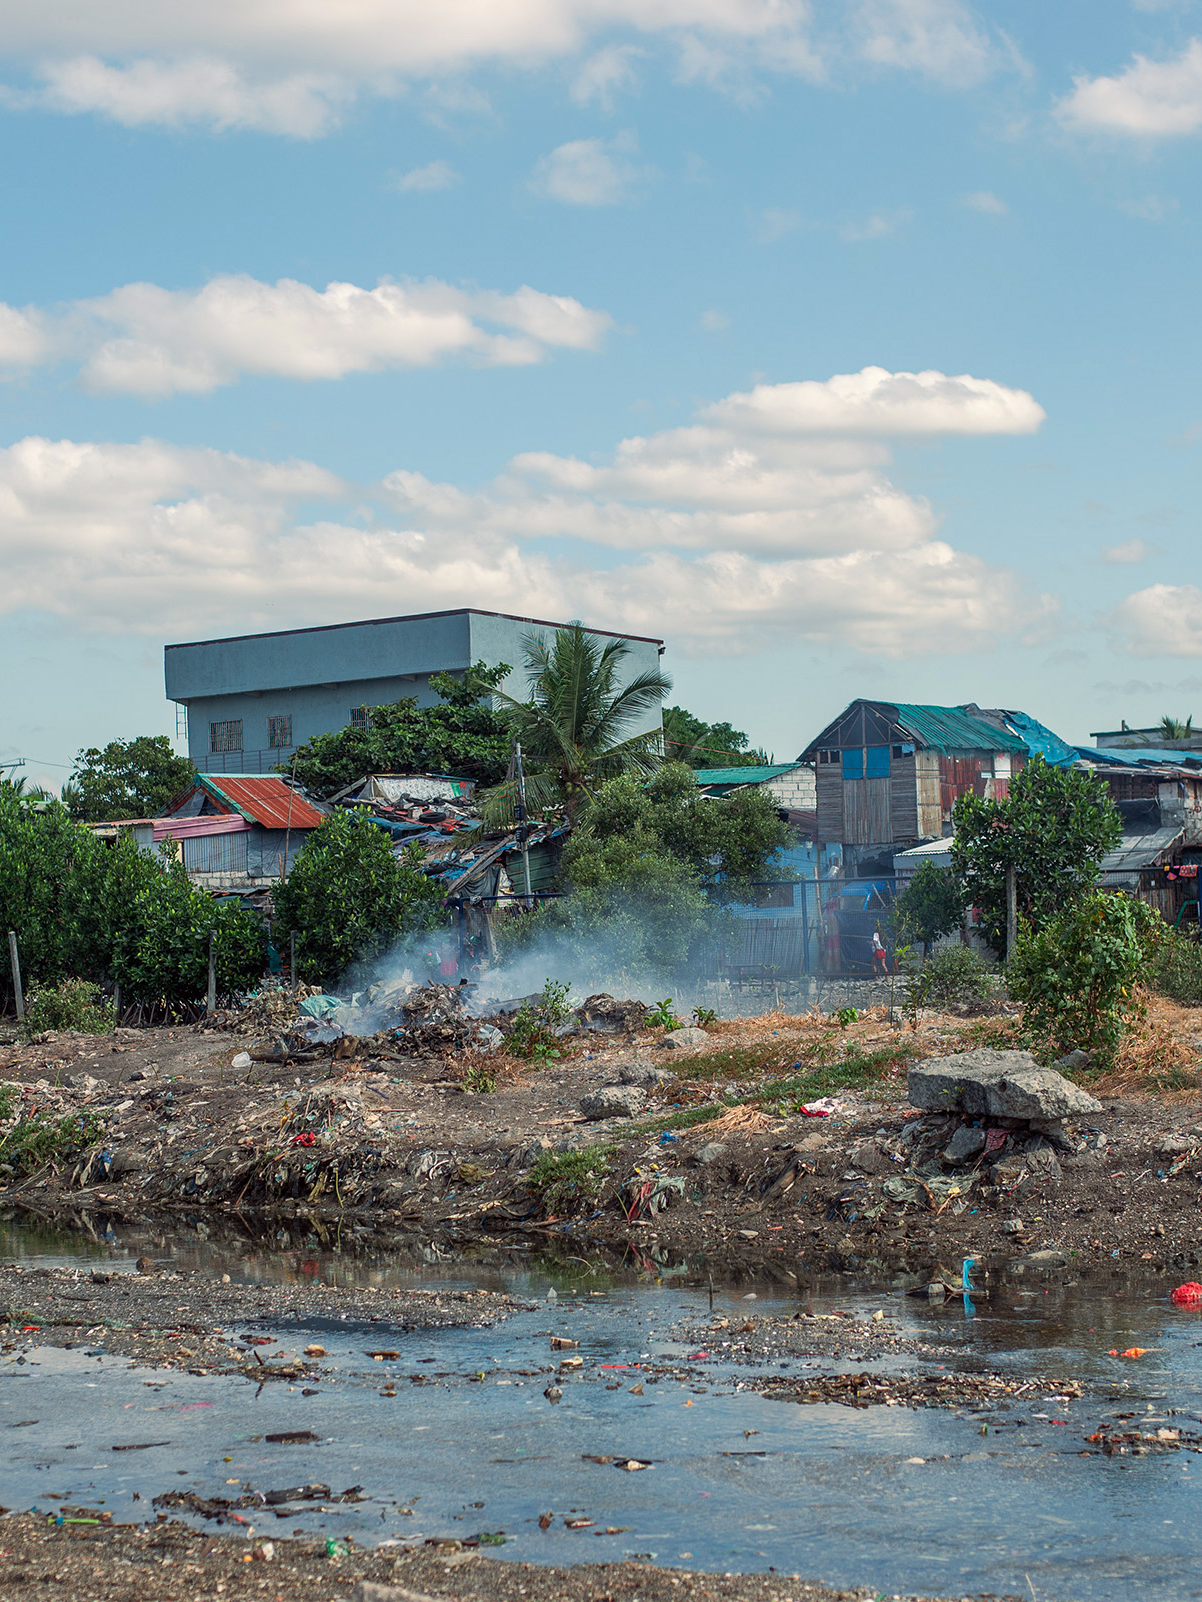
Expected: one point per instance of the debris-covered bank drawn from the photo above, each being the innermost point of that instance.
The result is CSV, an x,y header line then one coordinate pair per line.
x,y
754,1142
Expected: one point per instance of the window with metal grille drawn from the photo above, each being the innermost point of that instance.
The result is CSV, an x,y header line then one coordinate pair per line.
x,y
226,736
774,895
361,717
279,731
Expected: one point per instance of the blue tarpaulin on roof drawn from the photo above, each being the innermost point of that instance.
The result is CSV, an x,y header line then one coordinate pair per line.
x,y
1040,741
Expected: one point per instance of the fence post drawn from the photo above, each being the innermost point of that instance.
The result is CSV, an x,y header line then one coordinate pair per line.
x,y
292,955
1011,909
14,958
212,996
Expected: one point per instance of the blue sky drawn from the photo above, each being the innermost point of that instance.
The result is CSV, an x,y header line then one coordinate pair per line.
x,y
850,347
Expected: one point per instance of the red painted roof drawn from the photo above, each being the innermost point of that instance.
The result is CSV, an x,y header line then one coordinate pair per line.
x,y
263,798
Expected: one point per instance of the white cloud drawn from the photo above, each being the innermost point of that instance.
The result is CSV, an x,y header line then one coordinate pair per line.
x,y
1149,99
1163,620
938,38
426,180
985,200
724,531
604,75
146,340
1131,551
589,172
878,226
715,321
204,90
776,222
877,402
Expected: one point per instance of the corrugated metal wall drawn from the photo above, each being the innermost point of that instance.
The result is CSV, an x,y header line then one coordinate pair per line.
x,y
216,853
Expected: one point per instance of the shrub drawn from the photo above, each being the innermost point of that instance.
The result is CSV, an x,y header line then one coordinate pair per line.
x,y
162,952
931,905
1176,969
949,977
534,1028
41,1139
1076,976
73,1004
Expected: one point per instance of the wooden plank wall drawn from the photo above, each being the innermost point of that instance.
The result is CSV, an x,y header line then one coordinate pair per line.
x,y
867,815
829,782
930,809
903,781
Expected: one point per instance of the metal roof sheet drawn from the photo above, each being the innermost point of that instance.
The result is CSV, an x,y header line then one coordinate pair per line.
x,y
950,728
262,798
1140,756
193,828
1141,850
748,775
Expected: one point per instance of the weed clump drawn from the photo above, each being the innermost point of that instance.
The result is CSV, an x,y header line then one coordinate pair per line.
x,y
1176,969
40,1139
565,1178
535,1028
73,1004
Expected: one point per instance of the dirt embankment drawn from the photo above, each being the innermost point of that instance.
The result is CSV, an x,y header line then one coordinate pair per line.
x,y
720,1161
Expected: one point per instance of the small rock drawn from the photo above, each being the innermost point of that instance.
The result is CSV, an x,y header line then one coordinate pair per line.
x,y
264,1552
1005,1084
749,1234
145,1265
1048,1258
710,1152
1013,1226
241,1059
688,1039
643,1073
964,1144
870,1159
370,1591
1175,1145
315,1351
614,1101
1074,1063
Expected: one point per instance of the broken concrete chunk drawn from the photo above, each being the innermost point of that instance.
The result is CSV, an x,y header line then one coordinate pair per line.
x,y
964,1144
870,1159
685,1040
643,1073
614,1101
1006,1084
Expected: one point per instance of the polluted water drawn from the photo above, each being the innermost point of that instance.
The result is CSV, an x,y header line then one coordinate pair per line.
x,y
630,1422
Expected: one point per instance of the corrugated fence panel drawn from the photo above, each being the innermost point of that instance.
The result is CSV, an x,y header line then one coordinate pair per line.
x,y
767,948
215,853
930,806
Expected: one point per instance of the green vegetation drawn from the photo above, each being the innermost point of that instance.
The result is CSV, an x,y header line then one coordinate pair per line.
x,y
463,735
846,1016
560,1178
349,899
949,978
704,1017
71,1004
576,728
1053,829
533,1035
1175,728
137,778
107,913
480,1079
647,869
40,1139
1176,969
664,1016
706,745
931,905
1077,974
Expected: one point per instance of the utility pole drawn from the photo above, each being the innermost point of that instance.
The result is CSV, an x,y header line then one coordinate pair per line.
x,y
1011,909
523,830
15,959
212,997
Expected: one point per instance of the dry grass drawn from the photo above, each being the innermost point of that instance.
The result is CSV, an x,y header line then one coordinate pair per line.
x,y
741,1121
1157,1053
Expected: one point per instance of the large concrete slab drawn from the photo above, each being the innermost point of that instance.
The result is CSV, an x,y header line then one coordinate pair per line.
x,y
1002,1084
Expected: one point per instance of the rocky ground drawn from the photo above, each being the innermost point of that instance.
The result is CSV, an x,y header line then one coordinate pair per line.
x,y
711,1153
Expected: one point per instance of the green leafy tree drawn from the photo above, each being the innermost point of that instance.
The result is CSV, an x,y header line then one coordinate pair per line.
x,y
162,949
576,728
349,899
649,868
1076,975
136,778
706,745
463,735
931,905
1053,829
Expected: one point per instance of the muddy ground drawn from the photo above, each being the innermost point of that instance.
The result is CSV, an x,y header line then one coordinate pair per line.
x,y
42,1562
719,1165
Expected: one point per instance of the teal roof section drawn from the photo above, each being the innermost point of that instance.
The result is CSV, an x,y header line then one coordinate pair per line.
x,y
709,777
950,728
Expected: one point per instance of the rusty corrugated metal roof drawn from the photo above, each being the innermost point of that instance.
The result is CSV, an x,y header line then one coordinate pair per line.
x,y
262,798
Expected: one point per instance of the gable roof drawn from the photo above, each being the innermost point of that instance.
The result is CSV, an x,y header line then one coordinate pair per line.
x,y
261,798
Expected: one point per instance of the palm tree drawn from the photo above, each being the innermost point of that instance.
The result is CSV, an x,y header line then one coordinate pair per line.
x,y
1174,729
574,730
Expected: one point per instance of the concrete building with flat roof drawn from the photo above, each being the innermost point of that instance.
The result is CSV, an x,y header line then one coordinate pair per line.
x,y
251,700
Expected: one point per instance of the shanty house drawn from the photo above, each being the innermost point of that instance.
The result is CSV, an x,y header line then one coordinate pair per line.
x,y
888,774
236,830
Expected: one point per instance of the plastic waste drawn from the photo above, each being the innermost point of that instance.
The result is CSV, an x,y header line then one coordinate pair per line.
x,y
319,1006
1187,1295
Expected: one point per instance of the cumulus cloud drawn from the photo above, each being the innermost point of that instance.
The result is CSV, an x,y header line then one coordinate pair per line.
x,y
604,75
589,172
985,200
1163,620
426,180
146,340
758,518
1148,99
877,402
